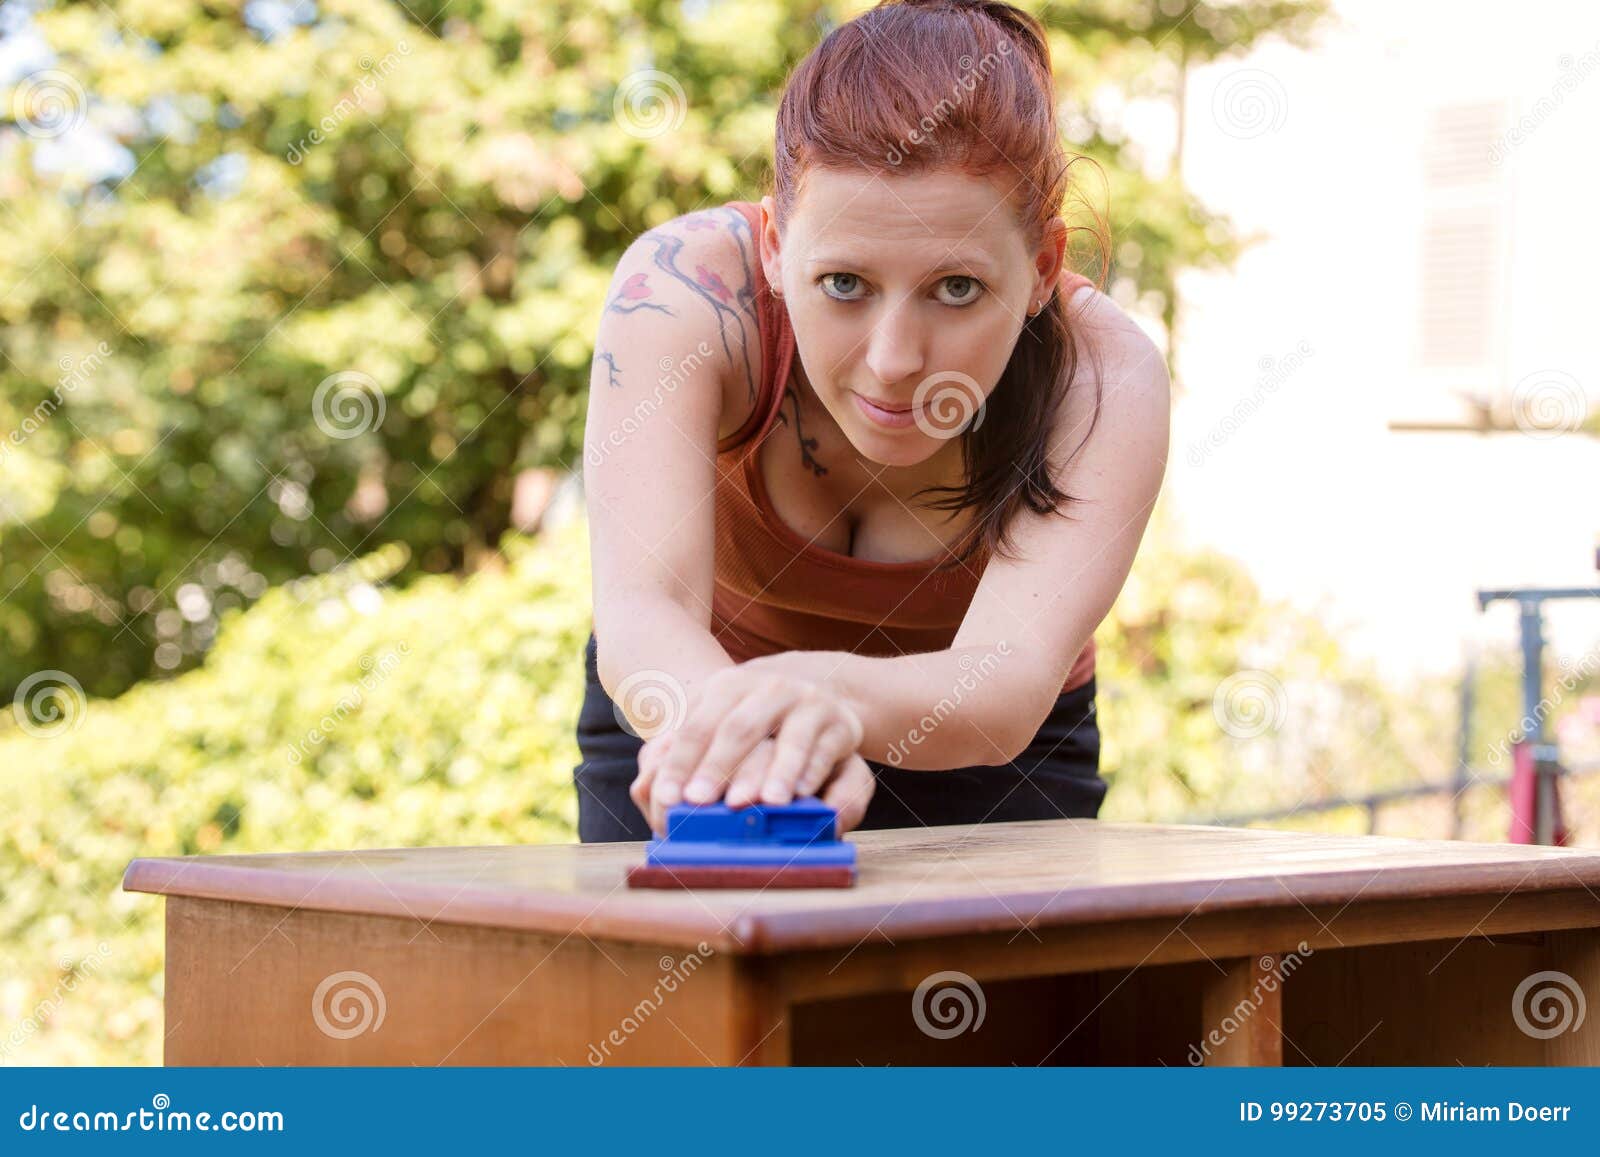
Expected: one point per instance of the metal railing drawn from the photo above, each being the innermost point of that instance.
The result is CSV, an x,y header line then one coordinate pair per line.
x,y
1372,801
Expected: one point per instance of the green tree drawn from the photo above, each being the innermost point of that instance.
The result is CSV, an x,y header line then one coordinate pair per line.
x,y
279,292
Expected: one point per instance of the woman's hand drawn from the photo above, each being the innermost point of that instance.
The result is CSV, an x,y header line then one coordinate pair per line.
x,y
847,790
758,735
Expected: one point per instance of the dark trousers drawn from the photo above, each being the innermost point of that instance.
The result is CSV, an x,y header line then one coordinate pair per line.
x,y
1058,776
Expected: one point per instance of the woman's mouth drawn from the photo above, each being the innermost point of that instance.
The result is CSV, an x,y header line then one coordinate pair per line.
x,y
893,419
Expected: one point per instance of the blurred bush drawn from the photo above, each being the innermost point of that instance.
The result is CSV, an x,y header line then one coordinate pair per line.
x,y
1216,704
1215,701
333,714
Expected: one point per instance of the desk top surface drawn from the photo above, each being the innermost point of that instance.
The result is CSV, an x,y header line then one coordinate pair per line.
x,y
913,882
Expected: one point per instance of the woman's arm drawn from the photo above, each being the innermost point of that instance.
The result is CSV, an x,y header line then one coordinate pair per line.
x,y
674,342
924,712
982,700
677,362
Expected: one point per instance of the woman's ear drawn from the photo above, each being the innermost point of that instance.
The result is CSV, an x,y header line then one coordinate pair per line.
x,y
768,247
1049,261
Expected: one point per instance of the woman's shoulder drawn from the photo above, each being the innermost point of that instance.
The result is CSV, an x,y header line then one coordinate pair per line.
x,y
1119,365
1105,328
711,255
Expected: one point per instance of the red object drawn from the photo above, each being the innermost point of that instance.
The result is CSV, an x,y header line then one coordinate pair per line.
x,y
1523,793
741,876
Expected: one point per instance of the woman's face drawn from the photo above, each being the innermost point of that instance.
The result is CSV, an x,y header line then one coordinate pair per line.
x,y
907,294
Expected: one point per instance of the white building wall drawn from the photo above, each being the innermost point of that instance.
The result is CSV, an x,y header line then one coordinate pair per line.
x,y
1321,152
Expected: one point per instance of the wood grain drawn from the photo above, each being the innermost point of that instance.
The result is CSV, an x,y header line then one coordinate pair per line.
x,y
252,985
912,883
1081,943
1243,1006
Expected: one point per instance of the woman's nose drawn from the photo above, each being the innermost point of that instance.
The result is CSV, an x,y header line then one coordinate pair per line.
x,y
894,347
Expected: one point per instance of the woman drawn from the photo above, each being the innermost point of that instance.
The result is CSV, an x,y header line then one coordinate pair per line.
x,y
833,439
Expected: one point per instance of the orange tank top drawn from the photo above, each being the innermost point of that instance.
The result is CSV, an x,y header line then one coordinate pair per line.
x,y
775,591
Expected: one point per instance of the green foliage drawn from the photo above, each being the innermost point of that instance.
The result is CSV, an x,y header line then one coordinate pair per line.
x,y
338,713
1217,704
397,223
419,204
333,714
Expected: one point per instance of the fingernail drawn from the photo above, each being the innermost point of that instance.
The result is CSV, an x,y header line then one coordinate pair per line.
x,y
699,790
668,795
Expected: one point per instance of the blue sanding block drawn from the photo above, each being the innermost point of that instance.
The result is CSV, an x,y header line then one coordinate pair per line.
x,y
792,845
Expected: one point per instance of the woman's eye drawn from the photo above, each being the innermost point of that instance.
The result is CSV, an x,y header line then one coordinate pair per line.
x,y
963,289
843,285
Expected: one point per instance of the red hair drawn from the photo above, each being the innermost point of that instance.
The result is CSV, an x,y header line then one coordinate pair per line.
x,y
918,85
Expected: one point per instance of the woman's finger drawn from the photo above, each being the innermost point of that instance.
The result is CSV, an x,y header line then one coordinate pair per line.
x,y
745,725
639,789
714,700
849,792
660,749
825,757
821,742
746,783
650,756
747,780
797,733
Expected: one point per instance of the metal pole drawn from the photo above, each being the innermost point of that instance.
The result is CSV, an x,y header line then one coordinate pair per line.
x,y
1469,680
1533,718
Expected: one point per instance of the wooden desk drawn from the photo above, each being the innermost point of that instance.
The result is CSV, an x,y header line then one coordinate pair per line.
x,y
1079,942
